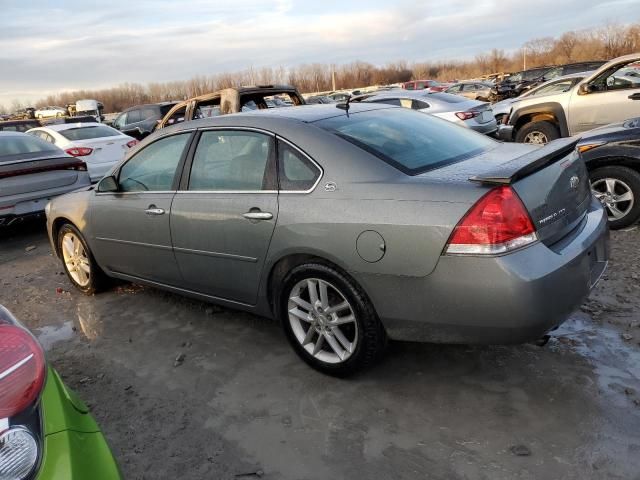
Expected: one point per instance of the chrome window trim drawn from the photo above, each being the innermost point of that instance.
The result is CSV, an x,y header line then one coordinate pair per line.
x,y
136,193
253,192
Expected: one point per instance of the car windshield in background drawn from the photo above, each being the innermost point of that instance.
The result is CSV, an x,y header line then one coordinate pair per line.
x,y
23,144
86,133
413,142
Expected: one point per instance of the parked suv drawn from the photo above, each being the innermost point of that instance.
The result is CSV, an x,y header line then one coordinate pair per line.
x,y
521,82
610,94
141,120
231,100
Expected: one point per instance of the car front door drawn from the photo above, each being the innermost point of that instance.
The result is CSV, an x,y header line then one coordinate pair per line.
x,y
224,215
613,96
131,226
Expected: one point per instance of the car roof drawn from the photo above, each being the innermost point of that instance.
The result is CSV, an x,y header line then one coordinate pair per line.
x,y
300,114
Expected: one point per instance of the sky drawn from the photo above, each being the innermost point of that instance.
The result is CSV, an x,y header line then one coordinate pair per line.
x,y
51,46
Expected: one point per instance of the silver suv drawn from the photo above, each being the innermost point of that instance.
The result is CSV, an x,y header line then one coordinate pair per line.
x,y
610,94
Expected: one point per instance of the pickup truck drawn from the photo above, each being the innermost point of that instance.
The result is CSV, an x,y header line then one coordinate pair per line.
x,y
608,95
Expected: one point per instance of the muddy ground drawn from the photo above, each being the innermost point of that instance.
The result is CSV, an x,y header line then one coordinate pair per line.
x,y
240,401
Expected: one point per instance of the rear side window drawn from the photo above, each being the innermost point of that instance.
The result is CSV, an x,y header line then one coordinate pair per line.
x,y
154,167
87,133
227,160
295,171
22,144
410,141
149,112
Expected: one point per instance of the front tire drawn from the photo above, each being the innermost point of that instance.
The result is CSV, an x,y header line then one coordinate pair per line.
x,y
329,321
618,189
537,133
78,261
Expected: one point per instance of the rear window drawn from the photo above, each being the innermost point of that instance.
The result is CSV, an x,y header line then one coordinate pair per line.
x,y
446,97
11,145
86,133
164,109
413,142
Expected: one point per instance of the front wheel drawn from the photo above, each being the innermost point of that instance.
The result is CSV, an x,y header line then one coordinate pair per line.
x,y
78,262
538,133
618,189
329,321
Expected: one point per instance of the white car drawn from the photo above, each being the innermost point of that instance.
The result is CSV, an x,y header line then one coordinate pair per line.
x,y
48,112
99,146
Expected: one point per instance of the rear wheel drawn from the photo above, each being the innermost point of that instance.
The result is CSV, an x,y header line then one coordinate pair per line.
x,y
538,133
78,262
329,321
618,189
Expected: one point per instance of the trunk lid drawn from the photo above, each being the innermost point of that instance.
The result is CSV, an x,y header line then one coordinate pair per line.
x,y
106,149
26,176
553,184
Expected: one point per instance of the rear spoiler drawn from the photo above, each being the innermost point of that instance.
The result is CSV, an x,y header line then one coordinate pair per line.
x,y
527,164
41,165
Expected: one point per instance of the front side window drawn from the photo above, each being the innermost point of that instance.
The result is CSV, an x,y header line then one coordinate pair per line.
x,y
295,171
134,116
619,77
454,89
409,141
228,160
154,167
469,87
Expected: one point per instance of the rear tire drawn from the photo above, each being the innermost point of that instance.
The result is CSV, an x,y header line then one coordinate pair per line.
x,y
78,261
334,327
537,133
613,185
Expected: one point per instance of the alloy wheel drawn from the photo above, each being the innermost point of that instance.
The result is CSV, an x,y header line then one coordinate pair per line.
x,y
536,137
76,260
322,320
615,195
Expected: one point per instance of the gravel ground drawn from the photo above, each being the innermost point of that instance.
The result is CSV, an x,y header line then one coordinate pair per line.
x,y
185,389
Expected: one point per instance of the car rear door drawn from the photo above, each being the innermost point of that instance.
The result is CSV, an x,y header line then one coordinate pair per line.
x,y
131,226
223,217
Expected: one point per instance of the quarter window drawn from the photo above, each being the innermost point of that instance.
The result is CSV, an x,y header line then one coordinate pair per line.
x,y
232,161
154,168
295,171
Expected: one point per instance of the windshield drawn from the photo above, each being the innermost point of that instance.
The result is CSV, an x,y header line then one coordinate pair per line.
x,y
12,145
86,133
413,142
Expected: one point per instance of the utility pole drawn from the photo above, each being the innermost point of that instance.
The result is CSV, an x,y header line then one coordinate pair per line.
x,y
524,58
333,78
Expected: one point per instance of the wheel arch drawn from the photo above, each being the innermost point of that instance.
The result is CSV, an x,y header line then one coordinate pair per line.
x,y
283,264
56,225
612,159
550,111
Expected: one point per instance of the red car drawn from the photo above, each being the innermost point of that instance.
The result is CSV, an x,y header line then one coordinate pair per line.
x,y
423,84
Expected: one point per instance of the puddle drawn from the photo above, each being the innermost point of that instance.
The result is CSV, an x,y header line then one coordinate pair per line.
x,y
52,334
615,362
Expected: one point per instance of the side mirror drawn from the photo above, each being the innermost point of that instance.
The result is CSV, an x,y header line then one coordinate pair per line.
x,y
108,184
585,89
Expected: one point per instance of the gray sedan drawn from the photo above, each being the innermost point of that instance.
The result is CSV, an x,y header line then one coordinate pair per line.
x,y
350,224
32,172
454,108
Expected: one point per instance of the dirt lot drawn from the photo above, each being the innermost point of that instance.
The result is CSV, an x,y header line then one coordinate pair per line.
x,y
240,401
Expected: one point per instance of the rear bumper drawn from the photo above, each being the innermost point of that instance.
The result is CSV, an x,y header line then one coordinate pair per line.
x,y
486,128
505,133
513,298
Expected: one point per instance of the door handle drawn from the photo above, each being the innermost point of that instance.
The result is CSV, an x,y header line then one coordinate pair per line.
x,y
634,96
258,215
152,210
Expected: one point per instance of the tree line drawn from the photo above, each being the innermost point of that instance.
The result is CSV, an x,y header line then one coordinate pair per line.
x,y
609,41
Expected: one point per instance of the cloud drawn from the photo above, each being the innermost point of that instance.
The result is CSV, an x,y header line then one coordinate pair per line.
x,y
46,46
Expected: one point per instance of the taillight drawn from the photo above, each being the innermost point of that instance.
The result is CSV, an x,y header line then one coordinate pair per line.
x,y
22,370
79,151
467,115
132,143
497,223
